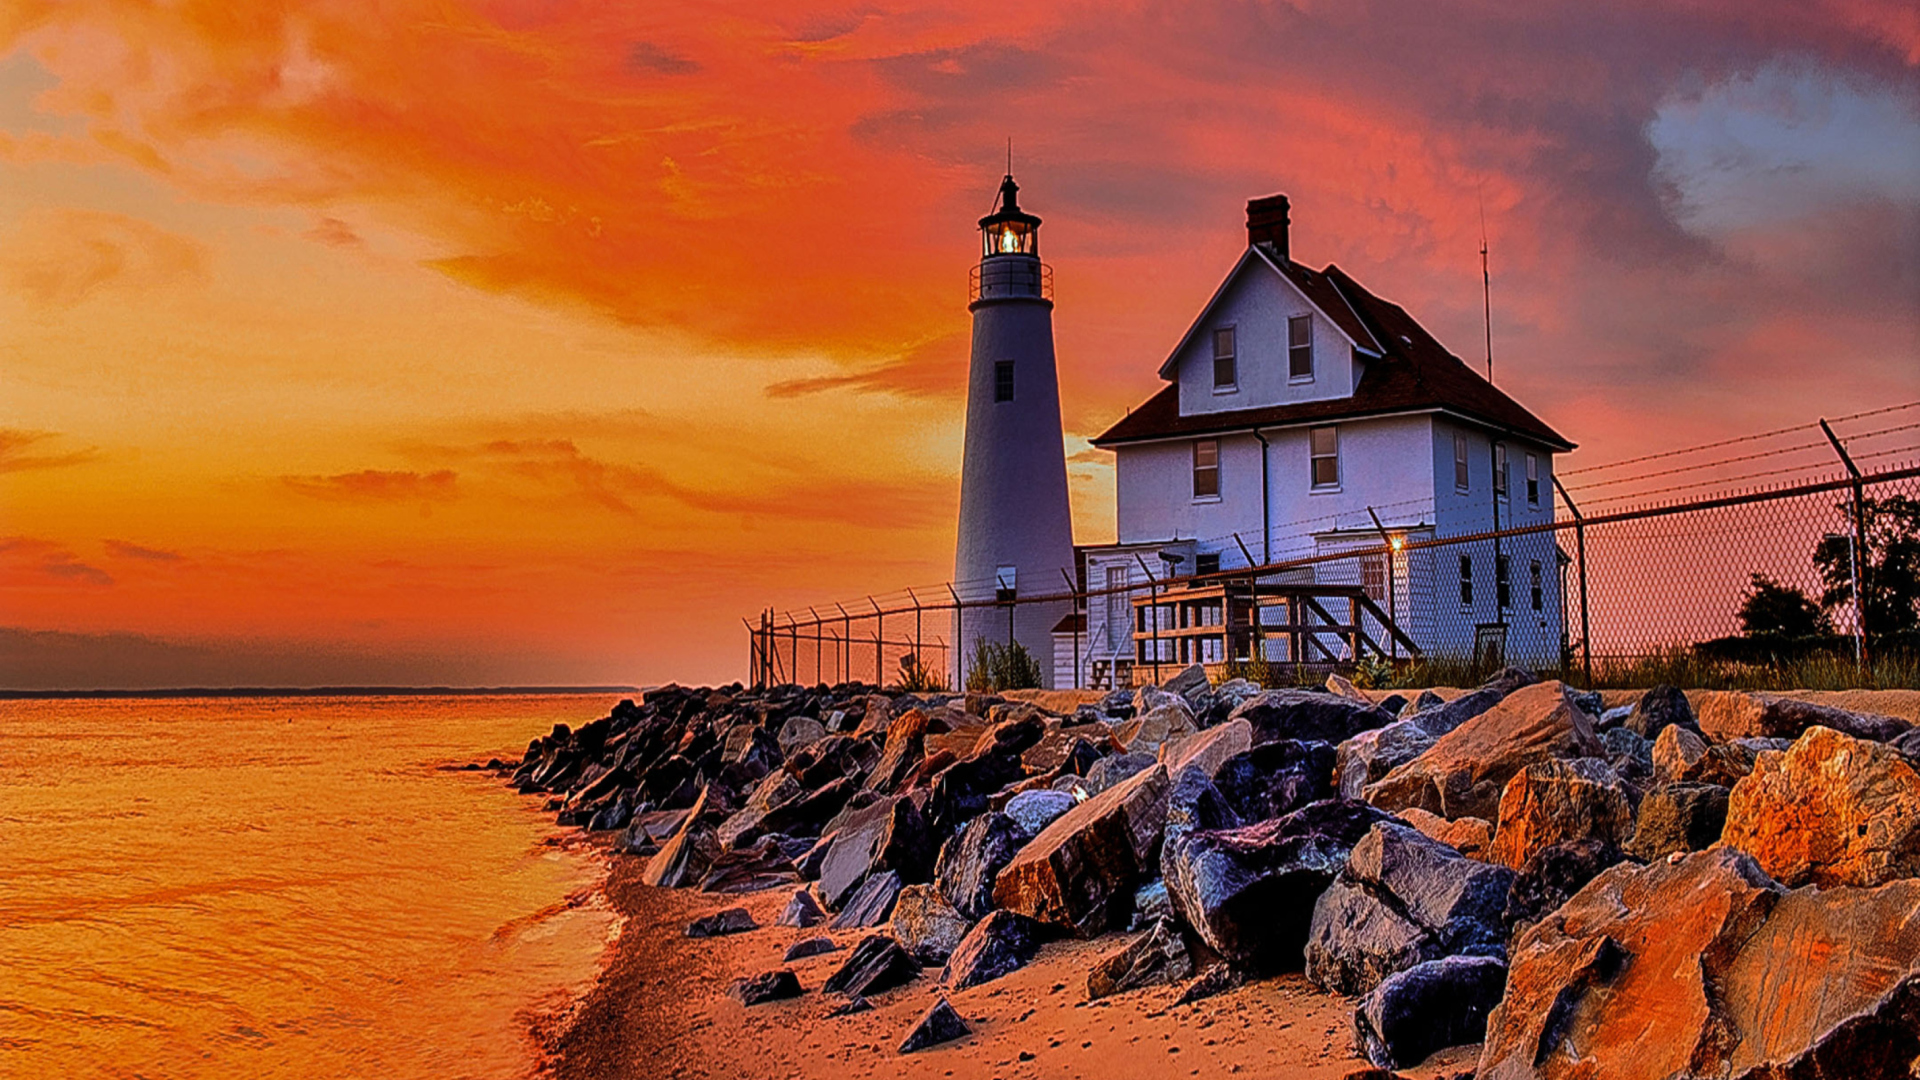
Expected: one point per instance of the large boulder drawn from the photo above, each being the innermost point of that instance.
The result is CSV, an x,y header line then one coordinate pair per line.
x,y
1728,715
965,789
1034,810
888,835
999,944
1552,801
1371,755
1276,778
1833,810
1194,803
1109,771
1466,770
1171,719
1678,817
972,858
800,732
1157,956
1702,965
1078,871
1308,715
777,789
1403,899
1249,892
1428,1007
1438,716
926,925
686,856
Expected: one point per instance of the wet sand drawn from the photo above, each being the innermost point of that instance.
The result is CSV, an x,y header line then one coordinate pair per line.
x,y
661,1010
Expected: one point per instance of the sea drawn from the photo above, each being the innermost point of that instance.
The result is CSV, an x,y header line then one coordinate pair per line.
x,y
286,887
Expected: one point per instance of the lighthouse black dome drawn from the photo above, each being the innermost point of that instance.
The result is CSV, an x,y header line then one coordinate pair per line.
x,y
1009,230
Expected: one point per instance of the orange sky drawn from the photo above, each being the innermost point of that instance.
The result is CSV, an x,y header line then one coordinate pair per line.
x,y
540,341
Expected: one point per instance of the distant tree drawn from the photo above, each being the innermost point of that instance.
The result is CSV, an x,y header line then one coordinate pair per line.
x,y
1780,610
1889,567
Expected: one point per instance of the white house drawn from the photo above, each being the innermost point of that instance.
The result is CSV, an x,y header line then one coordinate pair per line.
x,y
1299,407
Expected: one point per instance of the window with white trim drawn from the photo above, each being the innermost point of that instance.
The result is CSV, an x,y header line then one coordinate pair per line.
x,y
1459,462
1226,375
1533,480
1324,457
1499,470
1300,348
1206,468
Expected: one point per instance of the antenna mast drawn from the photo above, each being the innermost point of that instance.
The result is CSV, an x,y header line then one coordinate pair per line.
x,y
1486,286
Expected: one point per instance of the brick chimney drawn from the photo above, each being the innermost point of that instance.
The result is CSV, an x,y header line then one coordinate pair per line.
x,y
1267,224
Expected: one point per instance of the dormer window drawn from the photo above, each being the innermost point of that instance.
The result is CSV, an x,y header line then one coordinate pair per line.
x,y
1300,348
1226,375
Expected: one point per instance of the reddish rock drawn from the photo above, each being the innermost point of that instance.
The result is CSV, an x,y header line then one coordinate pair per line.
x,y
1833,810
1470,836
926,925
1678,817
1466,770
1680,756
1701,966
1208,749
904,749
1560,800
685,857
1075,872
1726,715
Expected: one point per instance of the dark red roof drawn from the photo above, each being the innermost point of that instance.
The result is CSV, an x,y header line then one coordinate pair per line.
x,y
1414,373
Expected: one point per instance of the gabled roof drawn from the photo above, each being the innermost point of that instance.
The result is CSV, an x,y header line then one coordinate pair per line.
x,y
1312,287
1412,372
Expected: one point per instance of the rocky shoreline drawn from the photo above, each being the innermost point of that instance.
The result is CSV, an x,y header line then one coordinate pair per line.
x,y
1513,881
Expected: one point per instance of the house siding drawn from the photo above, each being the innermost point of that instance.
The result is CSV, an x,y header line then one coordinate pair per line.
x,y
1257,303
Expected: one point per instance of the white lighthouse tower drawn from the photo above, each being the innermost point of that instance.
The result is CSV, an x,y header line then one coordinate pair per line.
x,y
1016,532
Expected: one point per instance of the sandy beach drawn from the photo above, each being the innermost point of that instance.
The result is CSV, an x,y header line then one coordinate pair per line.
x,y
661,1009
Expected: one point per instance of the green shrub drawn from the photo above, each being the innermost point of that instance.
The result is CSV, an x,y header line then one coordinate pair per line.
x,y
997,667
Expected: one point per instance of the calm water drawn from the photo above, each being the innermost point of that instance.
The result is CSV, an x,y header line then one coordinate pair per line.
x,y
282,887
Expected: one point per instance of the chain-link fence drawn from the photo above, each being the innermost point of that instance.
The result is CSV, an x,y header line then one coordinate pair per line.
x,y
1823,565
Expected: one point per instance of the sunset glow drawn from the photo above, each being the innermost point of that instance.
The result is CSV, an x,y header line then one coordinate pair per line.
x,y
539,341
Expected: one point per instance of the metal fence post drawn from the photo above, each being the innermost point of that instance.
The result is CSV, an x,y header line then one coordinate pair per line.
x,y
1393,613
1580,547
1860,654
1153,613
1073,592
879,644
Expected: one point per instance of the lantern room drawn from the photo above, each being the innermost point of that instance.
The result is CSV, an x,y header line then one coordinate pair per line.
x,y
1009,230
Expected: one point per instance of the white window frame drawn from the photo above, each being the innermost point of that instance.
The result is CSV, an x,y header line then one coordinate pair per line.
x,y
1462,473
1314,457
1214,495
1306,321
1533,480
1502,488
1232,357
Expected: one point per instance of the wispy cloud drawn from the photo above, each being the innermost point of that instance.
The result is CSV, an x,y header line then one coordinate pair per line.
x,y
59,257
377,486
121,549
26,560
14,455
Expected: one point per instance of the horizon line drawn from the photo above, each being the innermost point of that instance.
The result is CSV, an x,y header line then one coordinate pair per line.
x,y
315,691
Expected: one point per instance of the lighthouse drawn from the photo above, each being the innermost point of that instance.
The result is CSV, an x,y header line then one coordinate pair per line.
x,y
1016,531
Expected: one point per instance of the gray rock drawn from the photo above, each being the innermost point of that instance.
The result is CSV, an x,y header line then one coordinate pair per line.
x,y
1189,682
800,732
926,925
1660,707
1552,875
1150,902
802,911
1157,956
877,963
1428,1007
888,835
806,947
1249,892
971,859
1607,719
999,944
1307,715
1193,802
1111,770
871,904
1403,899
720,923
1371,755
1678,817
764,987
1276,778
939,1024
1034,810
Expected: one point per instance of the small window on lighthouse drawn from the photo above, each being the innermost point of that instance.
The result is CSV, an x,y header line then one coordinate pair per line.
x,y
1003,380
